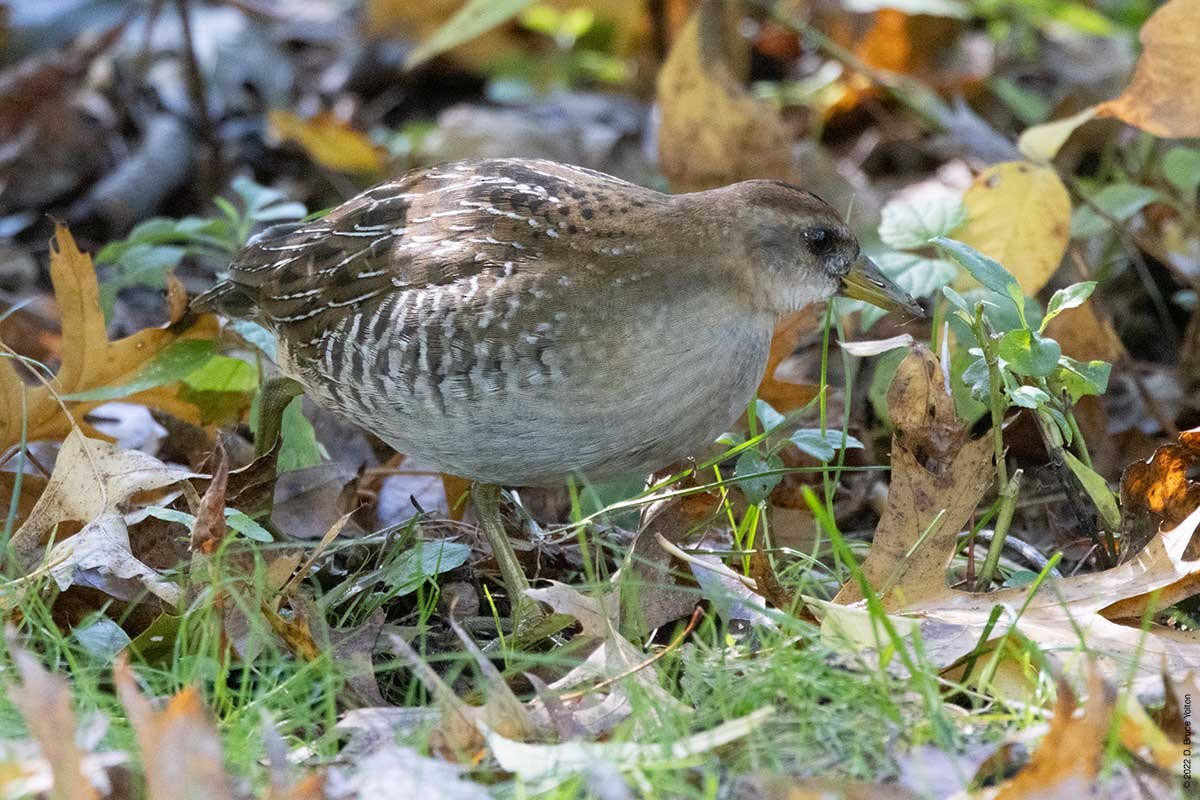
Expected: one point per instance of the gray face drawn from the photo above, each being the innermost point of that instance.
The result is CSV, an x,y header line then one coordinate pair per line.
x,y
803,257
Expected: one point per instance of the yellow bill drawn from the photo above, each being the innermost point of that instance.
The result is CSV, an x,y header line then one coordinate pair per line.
x,y
866,282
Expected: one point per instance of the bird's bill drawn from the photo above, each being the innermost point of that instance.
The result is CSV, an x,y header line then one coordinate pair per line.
x,y
866,282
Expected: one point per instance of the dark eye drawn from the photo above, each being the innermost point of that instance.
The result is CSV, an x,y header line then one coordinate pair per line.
x,y
820,240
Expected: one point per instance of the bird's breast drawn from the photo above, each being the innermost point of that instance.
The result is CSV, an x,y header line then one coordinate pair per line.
x,y
521,389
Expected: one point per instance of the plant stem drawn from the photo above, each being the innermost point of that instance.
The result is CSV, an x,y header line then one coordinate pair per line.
x,y
1008,504
995,397
1081,447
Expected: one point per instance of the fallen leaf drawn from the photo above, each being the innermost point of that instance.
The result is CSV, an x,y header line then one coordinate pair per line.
x,y
549,764
395,771
1160,492
1068,759
90,360
939,476
1163,98
1041,143
1079,615
329,141
181,750
1020,215
93,483
781,395
713,132
44,701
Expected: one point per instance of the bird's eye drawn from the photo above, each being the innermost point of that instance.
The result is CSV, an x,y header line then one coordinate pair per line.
x,y
820,240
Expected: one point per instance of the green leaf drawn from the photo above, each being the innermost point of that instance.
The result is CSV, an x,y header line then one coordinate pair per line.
x,y
300,448
1029,353
246,526
1074,295
172,364
1097,489
823,446
1121,201
1181,168
140,265
757,488
224,374
265,204
1080,378
425,559
1029,397
968,408
236,520
976,379
910,223
768,418
989,272
956,300
256,335
474,18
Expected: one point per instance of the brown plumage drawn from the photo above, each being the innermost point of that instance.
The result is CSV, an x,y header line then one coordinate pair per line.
x,y
513,320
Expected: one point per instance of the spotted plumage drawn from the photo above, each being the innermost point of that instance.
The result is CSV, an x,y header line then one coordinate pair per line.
x,y
513,320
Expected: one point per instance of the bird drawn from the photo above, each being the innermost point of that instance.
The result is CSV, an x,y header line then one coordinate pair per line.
x,y
514,321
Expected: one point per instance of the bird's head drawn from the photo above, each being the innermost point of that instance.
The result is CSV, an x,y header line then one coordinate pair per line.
x,y
800,251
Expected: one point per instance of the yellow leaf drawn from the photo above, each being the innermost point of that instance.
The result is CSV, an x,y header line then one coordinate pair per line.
x,y
1020,215
713,131
329,141
1041,143
1164,96
89,360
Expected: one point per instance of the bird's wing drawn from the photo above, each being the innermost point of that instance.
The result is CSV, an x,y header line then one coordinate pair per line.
x,y
429,228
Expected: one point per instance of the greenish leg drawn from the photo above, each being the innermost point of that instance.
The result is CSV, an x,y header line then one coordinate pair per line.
x,y
526,613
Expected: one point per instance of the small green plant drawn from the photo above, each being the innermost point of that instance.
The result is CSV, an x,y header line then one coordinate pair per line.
x,y
760,469
155,247
1013,364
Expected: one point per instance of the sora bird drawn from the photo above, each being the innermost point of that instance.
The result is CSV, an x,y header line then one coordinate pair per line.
x,y
512,321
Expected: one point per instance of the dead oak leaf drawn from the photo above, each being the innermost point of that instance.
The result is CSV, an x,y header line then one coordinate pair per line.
x,y
92,483
181,751
938,478
90,360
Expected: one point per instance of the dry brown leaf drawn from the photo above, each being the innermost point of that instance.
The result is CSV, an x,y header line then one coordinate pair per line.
x,y
713,132
44,701
181,750
1066,763
89,360
785,396
92,485
1164,96
1159,492
329,142
1086,606
936,470
1020,215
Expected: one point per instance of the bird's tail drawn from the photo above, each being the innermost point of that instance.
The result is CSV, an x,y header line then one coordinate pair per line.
x,y
227,299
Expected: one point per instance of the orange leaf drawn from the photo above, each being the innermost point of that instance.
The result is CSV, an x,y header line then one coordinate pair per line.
x,y
1164,96
89,359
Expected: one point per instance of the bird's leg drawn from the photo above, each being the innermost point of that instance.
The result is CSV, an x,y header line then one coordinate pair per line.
x,y
525,612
